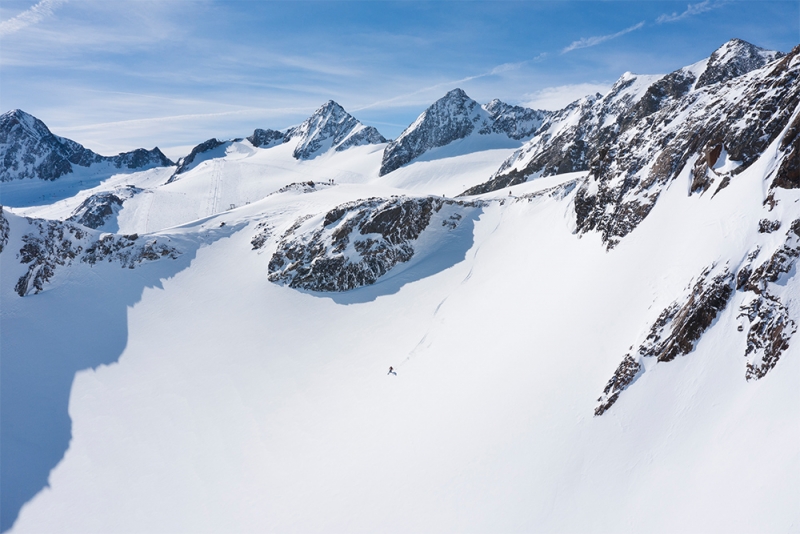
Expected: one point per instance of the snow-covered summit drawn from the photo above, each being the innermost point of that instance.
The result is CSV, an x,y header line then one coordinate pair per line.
x,y
330,127
456,116
28,149
732,59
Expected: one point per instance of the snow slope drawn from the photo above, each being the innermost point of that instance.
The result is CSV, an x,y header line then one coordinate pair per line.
x,y
198,389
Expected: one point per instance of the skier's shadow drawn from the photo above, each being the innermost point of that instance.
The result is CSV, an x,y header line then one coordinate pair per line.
x,y
450,250
46,339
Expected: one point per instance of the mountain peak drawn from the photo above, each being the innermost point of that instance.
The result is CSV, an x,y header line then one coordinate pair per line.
x,y
331,127
732,59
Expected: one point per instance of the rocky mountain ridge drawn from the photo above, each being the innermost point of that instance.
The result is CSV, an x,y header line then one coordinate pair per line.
x,y
28,149
456,116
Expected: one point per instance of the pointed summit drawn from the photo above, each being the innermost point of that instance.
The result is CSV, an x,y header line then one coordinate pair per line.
x,y
456,116
331,127
732,59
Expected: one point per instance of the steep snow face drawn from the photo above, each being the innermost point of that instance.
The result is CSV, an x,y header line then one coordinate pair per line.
x,y
456,116
29,150
330,127
570,139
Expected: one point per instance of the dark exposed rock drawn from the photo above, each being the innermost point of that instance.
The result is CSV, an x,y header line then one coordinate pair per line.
x,y
4,230
771,328
674,333
765,226
788,174
55,243
680,325
514,121
263,232
627,372
267,138
29,150
356,243
97,209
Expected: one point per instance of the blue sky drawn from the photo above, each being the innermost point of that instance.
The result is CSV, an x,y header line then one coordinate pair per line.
x,y
116,75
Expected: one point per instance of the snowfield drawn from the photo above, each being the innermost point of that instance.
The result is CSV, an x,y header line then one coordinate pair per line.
x,y
193,394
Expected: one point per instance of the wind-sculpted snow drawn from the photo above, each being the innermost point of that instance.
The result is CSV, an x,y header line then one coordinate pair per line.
x,y
356,243
29,150
331,127
456,116
51,244
194,157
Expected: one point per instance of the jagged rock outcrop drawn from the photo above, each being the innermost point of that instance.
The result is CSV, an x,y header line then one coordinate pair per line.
x,y
50,244
29,150
675,332
330,127
641,135
97,209
356,243
771,325
763,307
4,230
456,116
266,138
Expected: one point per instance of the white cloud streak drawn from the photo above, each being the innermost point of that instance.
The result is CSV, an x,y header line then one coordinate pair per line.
x,y
586,42
30,16
555,98
691,10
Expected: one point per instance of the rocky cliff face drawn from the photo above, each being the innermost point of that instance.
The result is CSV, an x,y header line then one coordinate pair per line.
x,y
96,210
29,150
48,245
456,116
584,132
356,243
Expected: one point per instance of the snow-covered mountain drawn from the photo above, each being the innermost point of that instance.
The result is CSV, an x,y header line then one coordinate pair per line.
x,y
456,116
609,313
571,138
29,150
330,127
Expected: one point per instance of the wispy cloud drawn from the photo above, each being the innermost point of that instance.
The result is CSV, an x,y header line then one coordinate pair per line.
x,y
30,16
555,98
691,10
586,42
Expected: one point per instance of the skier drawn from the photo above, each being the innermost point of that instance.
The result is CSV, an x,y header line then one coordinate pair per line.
x,y
391,371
